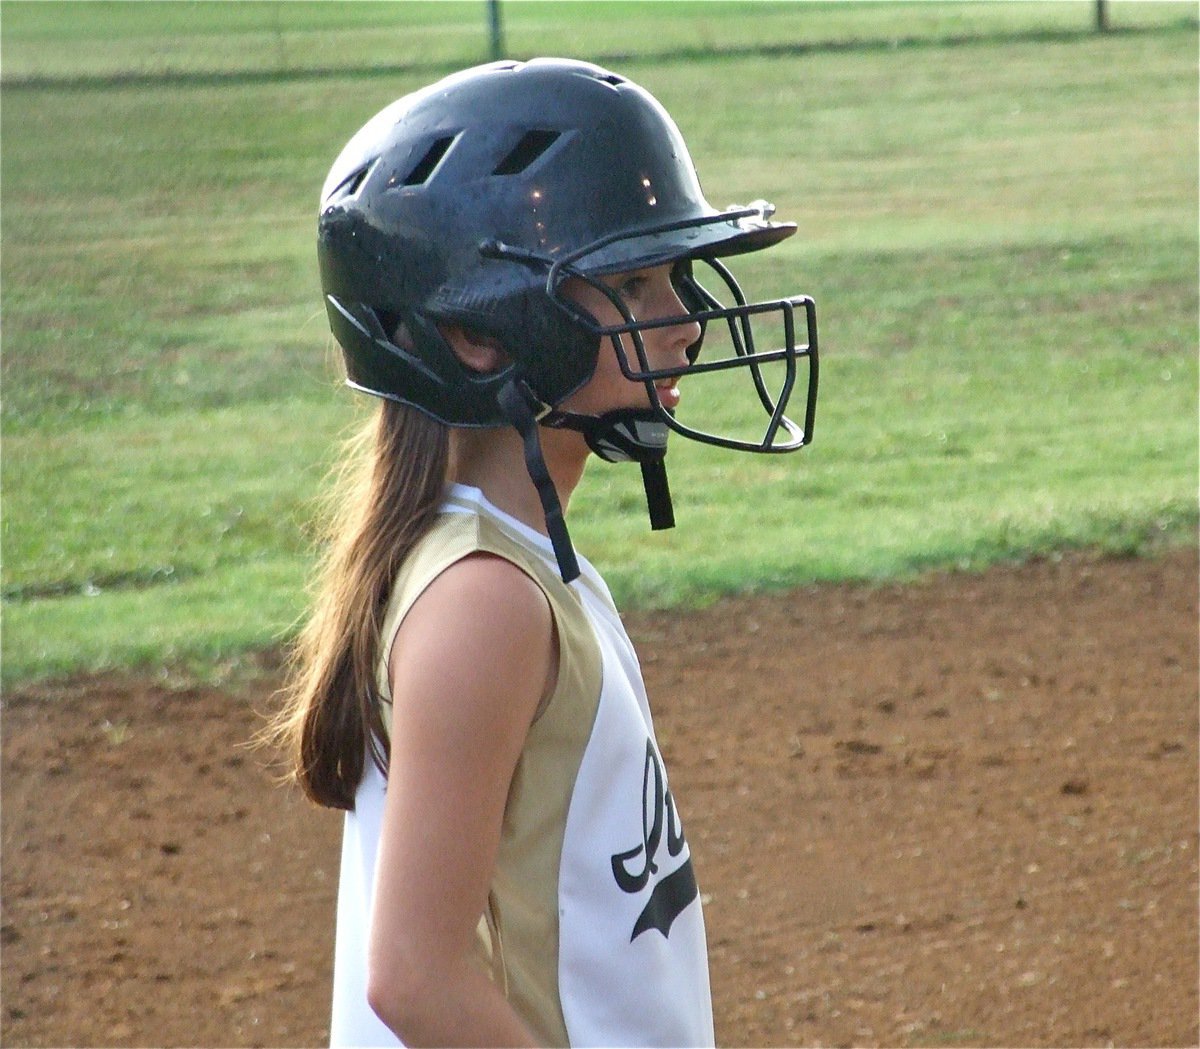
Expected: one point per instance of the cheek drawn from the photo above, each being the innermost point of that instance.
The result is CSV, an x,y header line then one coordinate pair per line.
x,y
608,369
607,388
606,361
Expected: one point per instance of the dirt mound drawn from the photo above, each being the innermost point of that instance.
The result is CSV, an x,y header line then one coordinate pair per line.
x,y
962,812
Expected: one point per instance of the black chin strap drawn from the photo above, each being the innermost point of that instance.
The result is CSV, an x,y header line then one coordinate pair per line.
x,y
628,434
636,435
517,403
658,494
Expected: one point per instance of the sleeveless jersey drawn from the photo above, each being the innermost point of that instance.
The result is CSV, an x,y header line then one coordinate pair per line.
x,y
593,928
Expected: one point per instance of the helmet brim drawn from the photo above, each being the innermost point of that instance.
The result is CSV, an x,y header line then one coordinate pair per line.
x,y
718,239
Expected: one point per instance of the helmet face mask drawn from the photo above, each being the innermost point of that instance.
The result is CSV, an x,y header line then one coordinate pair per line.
x,y
736,323
472,202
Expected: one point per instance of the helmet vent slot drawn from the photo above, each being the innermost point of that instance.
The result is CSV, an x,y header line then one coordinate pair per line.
x,y
531,146
349,185
424,168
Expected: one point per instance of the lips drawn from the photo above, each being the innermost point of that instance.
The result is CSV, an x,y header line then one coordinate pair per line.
x,y
668,395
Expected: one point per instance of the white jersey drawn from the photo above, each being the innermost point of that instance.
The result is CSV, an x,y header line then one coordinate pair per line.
x,y
594,929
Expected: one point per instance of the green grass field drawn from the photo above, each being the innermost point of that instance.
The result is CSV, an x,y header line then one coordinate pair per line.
x,y
998,223
87,40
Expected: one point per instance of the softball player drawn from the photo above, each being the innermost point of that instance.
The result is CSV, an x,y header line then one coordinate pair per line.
x,y
510,261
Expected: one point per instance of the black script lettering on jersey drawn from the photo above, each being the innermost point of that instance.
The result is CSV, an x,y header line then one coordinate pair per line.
x,y
633,868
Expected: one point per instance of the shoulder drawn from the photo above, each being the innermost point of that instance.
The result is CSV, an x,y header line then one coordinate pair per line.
x,y
484,595
482,632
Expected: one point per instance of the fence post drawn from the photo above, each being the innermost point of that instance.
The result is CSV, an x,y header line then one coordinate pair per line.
x,y
1102,16
495,31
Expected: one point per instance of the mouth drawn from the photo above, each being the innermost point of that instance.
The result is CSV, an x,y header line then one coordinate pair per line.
x,y
668,394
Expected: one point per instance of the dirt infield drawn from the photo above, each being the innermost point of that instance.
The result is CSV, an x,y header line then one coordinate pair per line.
x,y
961,812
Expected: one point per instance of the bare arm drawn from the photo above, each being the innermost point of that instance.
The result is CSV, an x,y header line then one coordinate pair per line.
x,y
471,662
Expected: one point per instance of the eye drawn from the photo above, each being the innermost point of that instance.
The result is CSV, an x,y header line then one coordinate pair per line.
x,y
632,287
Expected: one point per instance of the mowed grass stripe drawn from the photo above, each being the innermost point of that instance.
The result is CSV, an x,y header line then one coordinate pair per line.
x,y
99,43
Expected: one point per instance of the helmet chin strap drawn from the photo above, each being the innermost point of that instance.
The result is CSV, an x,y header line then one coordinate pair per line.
x,y
623,435
658,495
518,403
628,435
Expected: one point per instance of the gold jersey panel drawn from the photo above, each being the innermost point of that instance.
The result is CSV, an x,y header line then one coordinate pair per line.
x,y
518,938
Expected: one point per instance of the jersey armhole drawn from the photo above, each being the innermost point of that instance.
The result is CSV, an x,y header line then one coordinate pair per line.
x,y
397,614
573,638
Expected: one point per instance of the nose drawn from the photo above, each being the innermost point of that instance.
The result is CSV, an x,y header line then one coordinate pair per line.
x,y
675,338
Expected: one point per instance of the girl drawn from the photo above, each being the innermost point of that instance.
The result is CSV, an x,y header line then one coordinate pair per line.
x,y
507,261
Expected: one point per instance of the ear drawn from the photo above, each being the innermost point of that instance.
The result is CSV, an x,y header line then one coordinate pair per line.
x,y
477,353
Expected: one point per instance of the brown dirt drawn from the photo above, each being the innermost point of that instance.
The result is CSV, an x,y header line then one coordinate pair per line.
x,y
961,812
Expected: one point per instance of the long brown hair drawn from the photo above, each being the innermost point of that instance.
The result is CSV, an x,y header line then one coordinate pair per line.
x,y
384,499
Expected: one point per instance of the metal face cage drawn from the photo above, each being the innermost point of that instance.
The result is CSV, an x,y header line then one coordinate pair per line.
x,y
728,324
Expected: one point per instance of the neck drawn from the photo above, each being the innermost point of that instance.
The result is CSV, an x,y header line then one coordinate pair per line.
x,y
493,461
